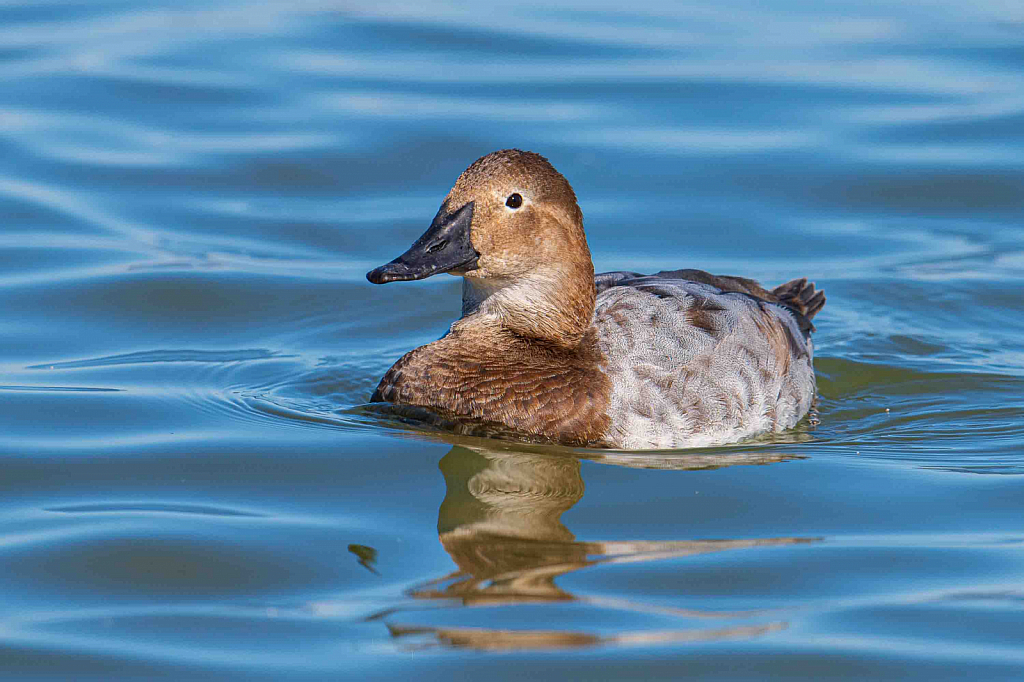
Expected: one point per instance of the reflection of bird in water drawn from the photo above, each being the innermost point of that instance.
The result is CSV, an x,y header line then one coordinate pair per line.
x,y
501,523
512,640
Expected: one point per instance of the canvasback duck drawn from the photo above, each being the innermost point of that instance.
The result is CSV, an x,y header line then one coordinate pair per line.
x,y
622,360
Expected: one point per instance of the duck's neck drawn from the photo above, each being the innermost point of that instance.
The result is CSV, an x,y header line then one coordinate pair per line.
x,y
552,306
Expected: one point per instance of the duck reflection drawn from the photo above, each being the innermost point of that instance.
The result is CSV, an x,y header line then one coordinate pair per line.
x,y
501,523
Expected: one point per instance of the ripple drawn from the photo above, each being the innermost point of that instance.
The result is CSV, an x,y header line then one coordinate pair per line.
x,y
896,413
917,75
154,507
390,105
155,356
85,389
102,141
73,204
689,140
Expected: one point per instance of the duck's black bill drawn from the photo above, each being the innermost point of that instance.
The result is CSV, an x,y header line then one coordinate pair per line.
x,y
444,247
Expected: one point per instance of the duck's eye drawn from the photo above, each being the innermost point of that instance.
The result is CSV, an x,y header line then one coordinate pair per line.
x,y
514,200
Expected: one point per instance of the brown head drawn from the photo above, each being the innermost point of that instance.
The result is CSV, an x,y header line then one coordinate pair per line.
x,y
512,228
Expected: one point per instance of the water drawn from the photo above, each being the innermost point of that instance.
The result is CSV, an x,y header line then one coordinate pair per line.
x,y
190,487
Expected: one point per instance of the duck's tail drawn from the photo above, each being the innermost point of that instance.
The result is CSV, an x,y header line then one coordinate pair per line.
x,y
800,295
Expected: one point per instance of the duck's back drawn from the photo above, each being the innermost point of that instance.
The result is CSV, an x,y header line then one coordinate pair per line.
x,y
696,359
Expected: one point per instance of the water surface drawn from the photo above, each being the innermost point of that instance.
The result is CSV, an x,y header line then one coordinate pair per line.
x,y
192,192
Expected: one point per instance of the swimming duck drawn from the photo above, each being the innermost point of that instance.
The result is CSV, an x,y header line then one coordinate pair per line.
x,y
622,360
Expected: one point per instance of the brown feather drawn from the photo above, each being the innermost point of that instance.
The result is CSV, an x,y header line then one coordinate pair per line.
x,y
493,376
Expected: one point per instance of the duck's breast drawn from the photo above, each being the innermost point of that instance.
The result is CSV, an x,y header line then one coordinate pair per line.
x,y
690,365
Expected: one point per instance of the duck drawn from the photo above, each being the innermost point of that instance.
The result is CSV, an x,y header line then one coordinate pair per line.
x,y
547,350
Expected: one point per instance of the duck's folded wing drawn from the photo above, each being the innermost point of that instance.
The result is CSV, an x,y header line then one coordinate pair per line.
x,y
798,296
651,317
694,365
607,280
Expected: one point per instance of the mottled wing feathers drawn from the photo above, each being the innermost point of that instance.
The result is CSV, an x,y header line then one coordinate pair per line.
x,y
700,362
798,296
725,283
607,280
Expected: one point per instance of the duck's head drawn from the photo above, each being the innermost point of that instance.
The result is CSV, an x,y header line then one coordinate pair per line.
x,y
512,228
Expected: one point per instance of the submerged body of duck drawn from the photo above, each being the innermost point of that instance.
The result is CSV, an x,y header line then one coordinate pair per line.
x,y
621,360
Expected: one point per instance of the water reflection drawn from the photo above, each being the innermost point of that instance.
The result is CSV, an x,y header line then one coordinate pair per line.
x,y
500,522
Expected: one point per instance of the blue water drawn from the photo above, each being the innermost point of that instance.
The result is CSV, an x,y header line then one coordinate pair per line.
x,y
191,487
